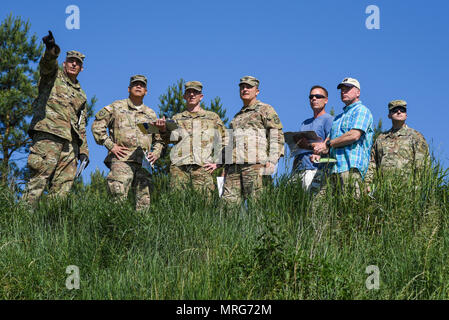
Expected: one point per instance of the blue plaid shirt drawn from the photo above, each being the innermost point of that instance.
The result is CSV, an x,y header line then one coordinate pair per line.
x,y
356,155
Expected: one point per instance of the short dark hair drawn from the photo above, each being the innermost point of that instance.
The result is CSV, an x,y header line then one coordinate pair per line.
x,y
319,87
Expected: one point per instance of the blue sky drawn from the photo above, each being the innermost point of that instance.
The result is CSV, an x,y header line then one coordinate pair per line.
x,y
288,45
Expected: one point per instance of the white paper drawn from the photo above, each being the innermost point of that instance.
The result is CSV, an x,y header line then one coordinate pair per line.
x,y
220,184
81,168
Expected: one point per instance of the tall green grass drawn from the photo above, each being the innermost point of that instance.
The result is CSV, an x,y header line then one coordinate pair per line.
x,y
185,247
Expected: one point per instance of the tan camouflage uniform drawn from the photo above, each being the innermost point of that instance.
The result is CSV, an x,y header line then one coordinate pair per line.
x,y
257,139
194,147
405,149
398,150
58,129
121,118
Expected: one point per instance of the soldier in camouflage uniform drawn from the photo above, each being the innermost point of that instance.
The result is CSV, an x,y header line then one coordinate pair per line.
x,y
58,127
198,142
256,145
127,144
400,148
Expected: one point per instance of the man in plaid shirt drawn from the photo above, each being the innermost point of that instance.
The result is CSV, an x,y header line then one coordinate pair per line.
x,y
350,139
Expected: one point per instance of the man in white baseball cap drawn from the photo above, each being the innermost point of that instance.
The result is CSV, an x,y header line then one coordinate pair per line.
x,y
350,138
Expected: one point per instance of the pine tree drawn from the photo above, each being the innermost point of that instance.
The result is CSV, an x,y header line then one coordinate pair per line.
x,y
19,54
172,102
18,78
217,107
377,130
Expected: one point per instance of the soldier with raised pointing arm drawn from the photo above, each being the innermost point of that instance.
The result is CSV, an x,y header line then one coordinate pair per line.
x,y
58,127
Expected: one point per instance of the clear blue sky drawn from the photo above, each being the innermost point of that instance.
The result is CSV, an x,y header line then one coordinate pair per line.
x,y
288,45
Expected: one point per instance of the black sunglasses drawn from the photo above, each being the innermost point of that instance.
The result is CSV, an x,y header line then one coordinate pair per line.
x,y
396,109
318,96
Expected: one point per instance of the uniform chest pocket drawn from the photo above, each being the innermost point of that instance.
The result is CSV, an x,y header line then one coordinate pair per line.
x,y
207,124
186,124
249,120
125,120
144,118
77,102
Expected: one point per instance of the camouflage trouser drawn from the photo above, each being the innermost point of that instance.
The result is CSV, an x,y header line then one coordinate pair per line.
x,y
345,183
51,160
181,176
123,175
242,181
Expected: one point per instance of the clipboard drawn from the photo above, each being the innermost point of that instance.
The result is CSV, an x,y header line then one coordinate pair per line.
x,y
149,127
291,138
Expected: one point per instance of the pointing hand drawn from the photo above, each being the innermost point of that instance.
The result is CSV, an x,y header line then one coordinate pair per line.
x,y
49,40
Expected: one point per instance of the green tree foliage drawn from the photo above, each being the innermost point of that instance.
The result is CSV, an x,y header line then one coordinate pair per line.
x,y
18,77
90,108
217,107
377,130
19,55
172,103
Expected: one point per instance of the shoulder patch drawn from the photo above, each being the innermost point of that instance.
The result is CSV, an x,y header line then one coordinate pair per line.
x,y
103,113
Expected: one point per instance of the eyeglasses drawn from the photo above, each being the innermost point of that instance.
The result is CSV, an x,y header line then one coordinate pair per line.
x,y
402,109
194,92
138,84
318,96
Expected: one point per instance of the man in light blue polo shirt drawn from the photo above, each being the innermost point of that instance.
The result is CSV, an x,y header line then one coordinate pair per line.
x,y
321,122
350,139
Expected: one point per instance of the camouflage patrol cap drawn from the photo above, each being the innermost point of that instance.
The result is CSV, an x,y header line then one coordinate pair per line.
x,y
75,54
250,80
138,77
195,85
397,103
351,82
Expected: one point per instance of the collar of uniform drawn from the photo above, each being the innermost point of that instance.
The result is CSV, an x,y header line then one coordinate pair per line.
x,y
197,114
76,84
251,106
400,132
352,105
133,106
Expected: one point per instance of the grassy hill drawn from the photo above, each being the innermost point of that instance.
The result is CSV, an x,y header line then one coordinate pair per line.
x,y
187,248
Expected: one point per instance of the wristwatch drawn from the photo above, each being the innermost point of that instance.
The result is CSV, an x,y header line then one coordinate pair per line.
x,y
328,144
